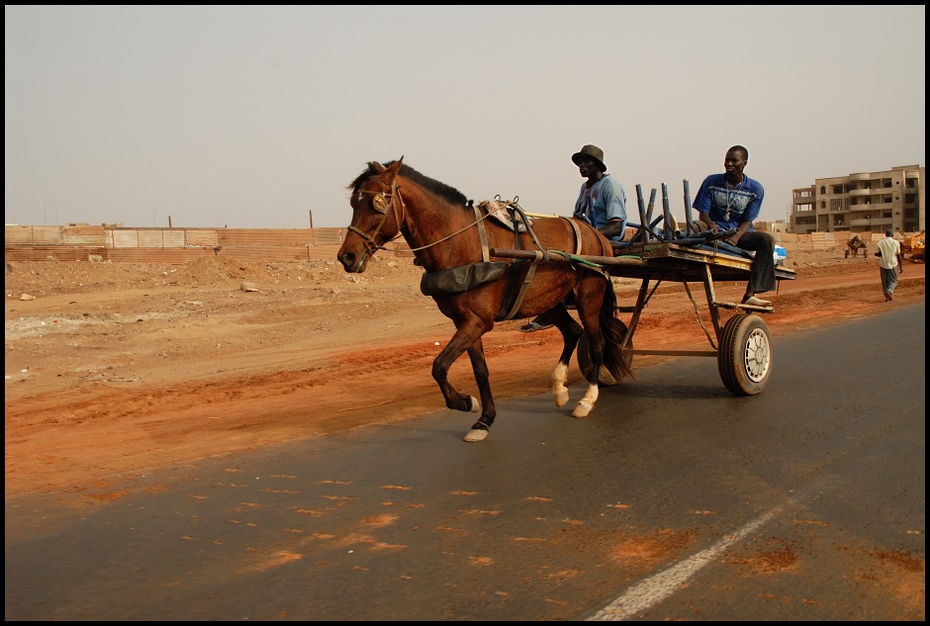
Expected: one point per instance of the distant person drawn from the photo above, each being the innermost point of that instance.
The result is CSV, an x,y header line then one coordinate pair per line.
x,y
601,203
889,249
732,201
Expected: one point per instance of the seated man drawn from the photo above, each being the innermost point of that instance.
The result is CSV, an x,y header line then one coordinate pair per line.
x,y
732,201
601,202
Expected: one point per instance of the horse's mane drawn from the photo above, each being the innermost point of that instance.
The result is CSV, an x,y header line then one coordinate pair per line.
x,y
441,189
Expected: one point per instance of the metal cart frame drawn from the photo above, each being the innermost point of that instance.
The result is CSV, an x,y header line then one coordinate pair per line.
x,y
742,344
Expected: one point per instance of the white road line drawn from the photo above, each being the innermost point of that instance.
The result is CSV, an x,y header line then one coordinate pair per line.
x,y
653,590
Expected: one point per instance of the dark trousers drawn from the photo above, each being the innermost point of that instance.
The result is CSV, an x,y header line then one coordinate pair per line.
x,y
762,273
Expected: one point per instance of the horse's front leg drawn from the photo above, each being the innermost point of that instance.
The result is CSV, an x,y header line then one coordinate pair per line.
x,y
479,365
466,339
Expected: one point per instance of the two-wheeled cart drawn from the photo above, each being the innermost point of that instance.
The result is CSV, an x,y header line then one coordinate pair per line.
x,y
741,344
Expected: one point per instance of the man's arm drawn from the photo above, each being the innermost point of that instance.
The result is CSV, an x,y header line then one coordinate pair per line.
x,y
741,230
614,228
615,210
708,223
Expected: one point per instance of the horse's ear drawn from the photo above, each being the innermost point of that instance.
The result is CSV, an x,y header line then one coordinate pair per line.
x,y
375,167
395,166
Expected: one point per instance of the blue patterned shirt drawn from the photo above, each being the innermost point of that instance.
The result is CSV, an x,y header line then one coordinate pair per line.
x,y
729,206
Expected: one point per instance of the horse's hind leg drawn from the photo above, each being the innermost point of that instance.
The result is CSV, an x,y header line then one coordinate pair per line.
x,y
571,332
589,311
586,404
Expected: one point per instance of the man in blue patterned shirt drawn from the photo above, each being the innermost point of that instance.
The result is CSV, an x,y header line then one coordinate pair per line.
x,y
731,201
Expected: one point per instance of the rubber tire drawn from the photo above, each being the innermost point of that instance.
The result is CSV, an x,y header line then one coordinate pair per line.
x,y
584,357
745,355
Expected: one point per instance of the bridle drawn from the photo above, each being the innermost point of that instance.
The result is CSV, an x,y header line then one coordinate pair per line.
x,y
379,205
382,203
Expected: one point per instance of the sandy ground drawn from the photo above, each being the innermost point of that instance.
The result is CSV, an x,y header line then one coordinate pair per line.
x,y
116,368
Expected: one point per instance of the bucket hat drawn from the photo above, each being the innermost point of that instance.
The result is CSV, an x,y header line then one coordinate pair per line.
x,y
592,151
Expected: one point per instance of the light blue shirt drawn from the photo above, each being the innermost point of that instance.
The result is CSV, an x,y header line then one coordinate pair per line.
x,y
601,203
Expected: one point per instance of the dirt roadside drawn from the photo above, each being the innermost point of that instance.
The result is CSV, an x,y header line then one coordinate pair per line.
x,y
113,369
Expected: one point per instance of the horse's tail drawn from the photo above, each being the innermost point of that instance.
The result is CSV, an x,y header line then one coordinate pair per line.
x,y
613,357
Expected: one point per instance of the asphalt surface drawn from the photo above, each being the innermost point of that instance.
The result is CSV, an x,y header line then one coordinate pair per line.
x,y
674,500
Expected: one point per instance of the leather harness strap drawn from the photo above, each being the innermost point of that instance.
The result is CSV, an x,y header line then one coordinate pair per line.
x,y
516,291
538,258
483,234
577,230
531,270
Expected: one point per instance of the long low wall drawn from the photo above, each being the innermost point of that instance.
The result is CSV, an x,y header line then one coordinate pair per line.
x,y
82,242
168,245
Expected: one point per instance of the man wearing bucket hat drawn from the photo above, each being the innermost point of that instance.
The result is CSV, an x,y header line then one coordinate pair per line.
x,y
601,202
602,199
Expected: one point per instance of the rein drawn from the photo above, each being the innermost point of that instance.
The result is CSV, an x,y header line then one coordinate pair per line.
x,y
370,245
451,235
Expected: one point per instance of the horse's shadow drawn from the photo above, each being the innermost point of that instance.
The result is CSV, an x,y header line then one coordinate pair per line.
x,y
661,391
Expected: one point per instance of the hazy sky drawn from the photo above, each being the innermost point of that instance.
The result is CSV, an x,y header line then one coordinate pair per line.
x,y
258,117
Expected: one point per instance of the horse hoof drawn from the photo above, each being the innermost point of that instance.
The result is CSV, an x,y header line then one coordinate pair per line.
x,y
561,397
475,405
476,434
582,409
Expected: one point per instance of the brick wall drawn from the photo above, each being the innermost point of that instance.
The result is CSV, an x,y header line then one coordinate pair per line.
x,y
168,245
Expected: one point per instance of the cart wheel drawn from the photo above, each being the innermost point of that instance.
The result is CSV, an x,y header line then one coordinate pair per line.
x,y
584,357
745,355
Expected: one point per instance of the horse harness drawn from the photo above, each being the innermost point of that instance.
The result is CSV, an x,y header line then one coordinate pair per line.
x,y
464,278
518,221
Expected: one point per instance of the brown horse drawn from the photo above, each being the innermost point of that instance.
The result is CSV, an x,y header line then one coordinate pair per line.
x,y
453,241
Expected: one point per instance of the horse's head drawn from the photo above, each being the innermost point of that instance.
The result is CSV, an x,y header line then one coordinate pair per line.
x,y
377,214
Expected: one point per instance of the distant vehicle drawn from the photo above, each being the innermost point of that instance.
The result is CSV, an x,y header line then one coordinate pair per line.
x,y
913,245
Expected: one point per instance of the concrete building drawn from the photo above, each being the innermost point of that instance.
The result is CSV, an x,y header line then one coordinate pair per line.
x,y
778,226
863,202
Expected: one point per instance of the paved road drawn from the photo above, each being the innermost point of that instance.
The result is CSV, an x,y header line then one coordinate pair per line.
x,y
673,501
